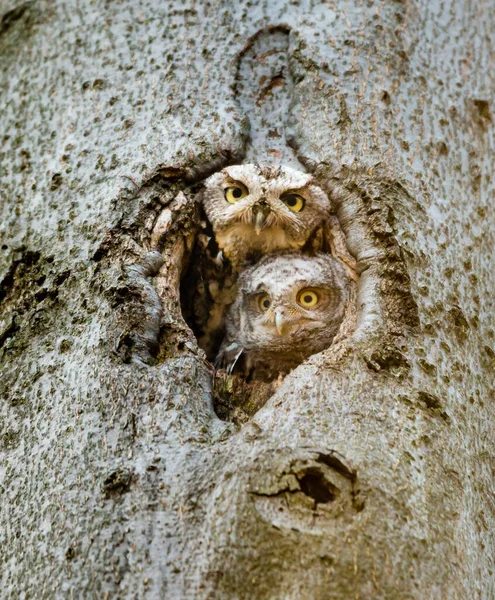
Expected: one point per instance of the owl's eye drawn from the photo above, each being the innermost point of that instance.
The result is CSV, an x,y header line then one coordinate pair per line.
x,y
235,193
264,302
294,202
308,298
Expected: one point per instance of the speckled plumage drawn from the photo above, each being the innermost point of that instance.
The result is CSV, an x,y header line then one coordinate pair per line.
x,y
262,344
234,225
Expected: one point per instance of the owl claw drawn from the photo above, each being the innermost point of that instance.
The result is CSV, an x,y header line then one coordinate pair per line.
x,y
219,259
232,365
228,357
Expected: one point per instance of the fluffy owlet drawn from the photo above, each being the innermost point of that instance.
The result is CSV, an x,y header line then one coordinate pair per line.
x,y
288,307
255,210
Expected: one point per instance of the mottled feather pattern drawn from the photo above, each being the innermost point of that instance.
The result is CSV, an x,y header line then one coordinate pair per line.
x,y
276,228
281,277
233,224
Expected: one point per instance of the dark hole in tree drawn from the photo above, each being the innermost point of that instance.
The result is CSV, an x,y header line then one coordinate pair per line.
x,y
243,382
118,482
198,285
206,286
314,485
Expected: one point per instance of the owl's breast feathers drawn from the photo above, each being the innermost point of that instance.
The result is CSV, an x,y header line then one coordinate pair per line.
x,y
240,240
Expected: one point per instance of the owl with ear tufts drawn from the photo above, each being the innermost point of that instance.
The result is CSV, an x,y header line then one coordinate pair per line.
x,y
256,210
288,307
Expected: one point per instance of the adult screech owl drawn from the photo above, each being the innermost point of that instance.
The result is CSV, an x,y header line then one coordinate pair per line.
x,y
288,307
255,210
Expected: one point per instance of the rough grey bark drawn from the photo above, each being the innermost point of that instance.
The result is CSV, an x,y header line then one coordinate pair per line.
x,y
369,472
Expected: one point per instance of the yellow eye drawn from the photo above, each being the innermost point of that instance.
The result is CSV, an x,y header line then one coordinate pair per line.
x,y
235,193
264,302
294,202
308,298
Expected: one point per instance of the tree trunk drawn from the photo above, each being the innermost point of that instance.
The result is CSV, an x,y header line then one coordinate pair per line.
x,y
369,472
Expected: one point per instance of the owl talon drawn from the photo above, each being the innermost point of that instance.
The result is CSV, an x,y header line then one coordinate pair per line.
x,y
228,357
233,363
219,259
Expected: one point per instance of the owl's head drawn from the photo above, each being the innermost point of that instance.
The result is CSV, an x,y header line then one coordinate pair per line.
x,y
277,203
290,303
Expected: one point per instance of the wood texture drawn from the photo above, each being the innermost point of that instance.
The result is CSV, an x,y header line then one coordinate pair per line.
x,y
369,473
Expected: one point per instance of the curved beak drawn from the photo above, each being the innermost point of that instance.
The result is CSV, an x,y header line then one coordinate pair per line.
x,y
279,324
285,318
281,320
259,221
260,213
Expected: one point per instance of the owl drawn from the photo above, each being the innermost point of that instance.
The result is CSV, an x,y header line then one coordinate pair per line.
x,y
288,307
256,210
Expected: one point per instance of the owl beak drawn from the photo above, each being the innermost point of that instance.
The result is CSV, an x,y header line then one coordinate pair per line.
x,y
280,320
285,318
259,221
260,212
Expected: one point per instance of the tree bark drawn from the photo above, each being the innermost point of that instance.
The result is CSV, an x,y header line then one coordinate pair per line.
x,y
369,472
